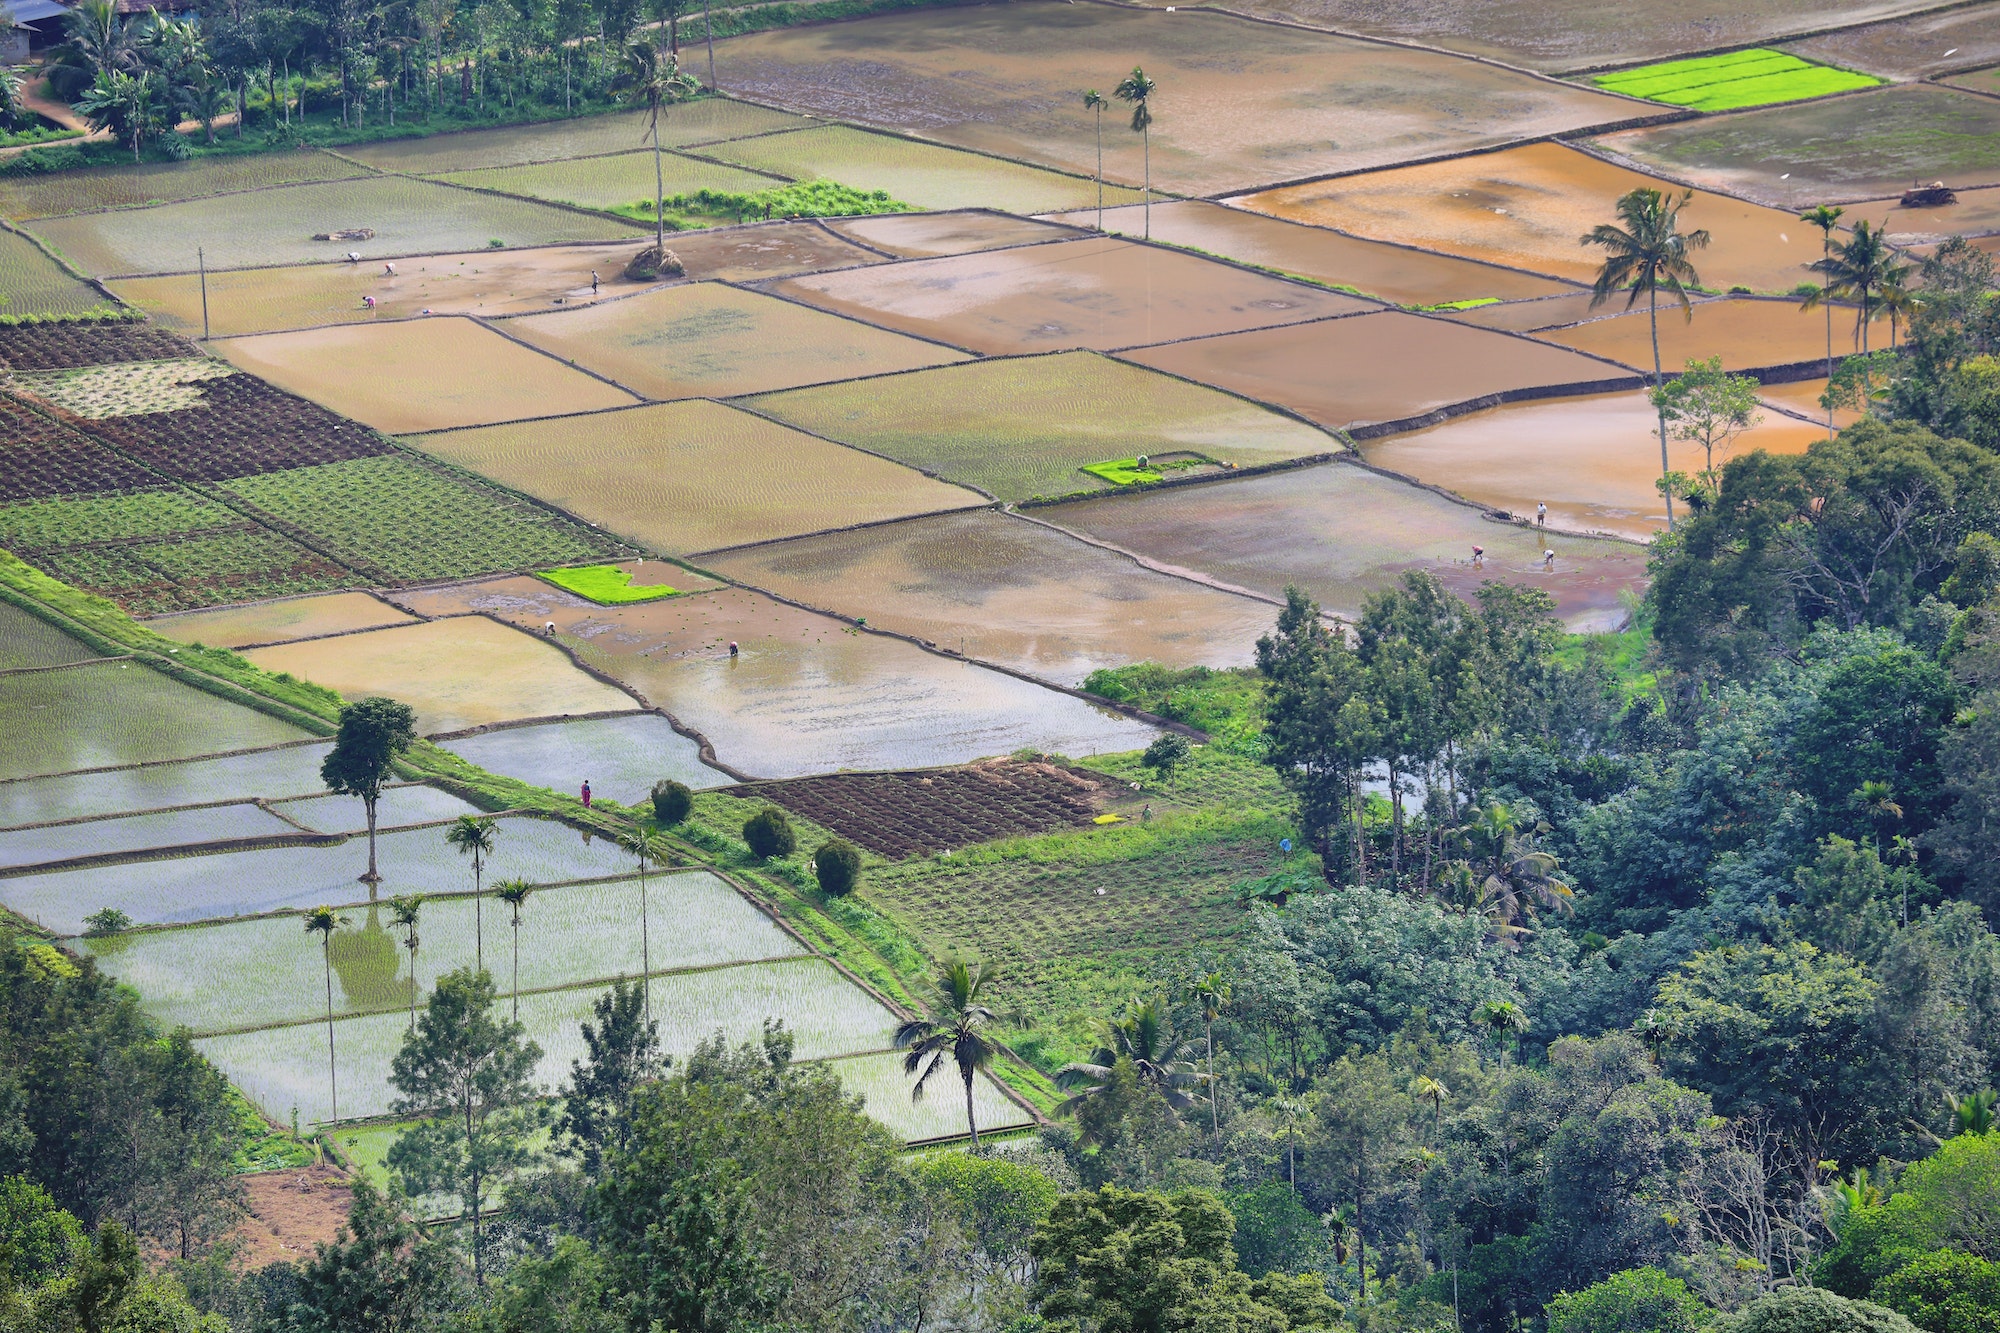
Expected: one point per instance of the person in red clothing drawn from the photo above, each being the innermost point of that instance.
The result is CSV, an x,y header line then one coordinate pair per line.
x,y
586,793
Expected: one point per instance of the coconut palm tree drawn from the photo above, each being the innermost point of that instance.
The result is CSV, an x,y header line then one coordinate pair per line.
x,y
1515,879
1292,1112
1824,217
1645,256
473,836
403,908
1862,269
1211,992
954,1030
1094,101
95,41
635,841
323,921
1499,1018
1144,1036
1428,1089
653,79
1136,88
514,892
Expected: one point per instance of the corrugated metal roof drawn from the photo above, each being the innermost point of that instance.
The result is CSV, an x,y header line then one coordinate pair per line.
x,y
33,11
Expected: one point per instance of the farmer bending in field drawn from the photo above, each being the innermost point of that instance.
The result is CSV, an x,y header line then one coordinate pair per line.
x,y
367,303
1479,557
1548,562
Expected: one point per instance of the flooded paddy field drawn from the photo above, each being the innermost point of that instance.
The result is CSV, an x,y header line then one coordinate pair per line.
x,y
21,848
26,640
708,340
1255,103
927,235
34,284
1025,427
418,375
281,770
695,476
621,757
27,196
276,622
1096,292
706,121
1341,532
1592,460
612,181
1527,207
1375,368
1007,590
1746,334
1920,46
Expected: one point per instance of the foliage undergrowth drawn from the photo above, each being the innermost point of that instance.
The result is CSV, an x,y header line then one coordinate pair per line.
x,y
1227,704
799,199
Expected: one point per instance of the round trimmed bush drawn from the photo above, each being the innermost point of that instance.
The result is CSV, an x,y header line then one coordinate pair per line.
x,y
671,801
770,834
838,866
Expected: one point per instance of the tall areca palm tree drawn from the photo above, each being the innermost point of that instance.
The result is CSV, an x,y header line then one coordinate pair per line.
x,y
1211,992
323,921
1428,1089
473,836
653,79
954,1031
403,909
1643,257
1500,1018
1136,88
514,893
1144,1036
1094,101
1824,217
636,842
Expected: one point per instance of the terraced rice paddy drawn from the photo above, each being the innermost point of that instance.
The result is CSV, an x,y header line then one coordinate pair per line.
x,y
695,476
923,175
1802,397
1979,80
1386,272
42,196
204,888
1834,151
1977,213
29,641
275,622
1526,207
136,833
702,121
1915,47
1002,589
196,569
708,340
1019,429
613,181
621,757
457,673
1754,77
1341,532
1097,292
1745,334
421,374
884,1090
809,694
1390,367
927,235
33,284
255,972
284,771
1592,460
279,1068
408,217
1549,312
399,807
1255,103
107,714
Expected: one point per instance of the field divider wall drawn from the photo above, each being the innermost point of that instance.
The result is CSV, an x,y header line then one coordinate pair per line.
x,y
161,763
63,666
137,856
744,404
217,804
561,361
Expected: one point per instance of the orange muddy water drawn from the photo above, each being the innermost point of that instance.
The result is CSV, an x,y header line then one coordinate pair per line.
x,y
1745,334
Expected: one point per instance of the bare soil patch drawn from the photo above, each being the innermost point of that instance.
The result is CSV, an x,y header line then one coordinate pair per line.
x,y
1914,47
244,427
87,343
290,1213
273,622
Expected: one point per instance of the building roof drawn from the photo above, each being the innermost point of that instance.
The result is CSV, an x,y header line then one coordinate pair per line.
x,y
34,11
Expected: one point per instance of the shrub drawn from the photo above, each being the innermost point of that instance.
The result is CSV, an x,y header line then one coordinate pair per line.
x,y
1638,1300
770,834
671,801
106,922
1945,1292
1168,752
838,866
1814,1310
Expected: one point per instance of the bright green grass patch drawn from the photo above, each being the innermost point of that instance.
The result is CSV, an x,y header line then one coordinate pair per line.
x,y
607,585
1131,471
1756,77
1472,304
1227,704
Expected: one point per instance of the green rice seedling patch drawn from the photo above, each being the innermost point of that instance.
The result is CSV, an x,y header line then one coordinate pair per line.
x,y
1143,471
225,884
406,522
1756,77
282,1067
399,806
37,525
124,390
407,216
607,585
621,757
113,713
33,284
611,182
266,970
288,770
29,641
137,833
1472,304
1021,428
884,1090
794,199
41,196
927,175
702,121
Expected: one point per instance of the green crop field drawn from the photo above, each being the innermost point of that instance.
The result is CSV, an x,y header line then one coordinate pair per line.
x,y
1755,77
267,971
282,1067
622,757
59,192
30,641
124,390
35,525
410,522
285,771
135,833
195,570
33,284
112,713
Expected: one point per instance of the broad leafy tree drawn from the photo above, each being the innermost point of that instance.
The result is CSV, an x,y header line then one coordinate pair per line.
x,y
373,733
